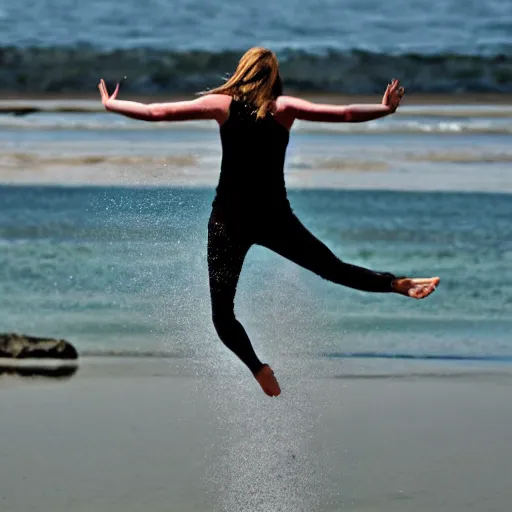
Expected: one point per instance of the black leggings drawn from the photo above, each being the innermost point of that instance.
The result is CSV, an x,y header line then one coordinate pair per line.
x,y
228,243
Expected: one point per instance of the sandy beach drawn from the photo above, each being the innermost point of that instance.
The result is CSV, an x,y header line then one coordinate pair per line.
x,y
160,435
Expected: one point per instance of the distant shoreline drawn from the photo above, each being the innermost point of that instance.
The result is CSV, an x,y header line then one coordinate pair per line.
x,y
411,99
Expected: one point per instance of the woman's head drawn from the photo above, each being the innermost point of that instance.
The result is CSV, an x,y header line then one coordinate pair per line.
x,y
256,80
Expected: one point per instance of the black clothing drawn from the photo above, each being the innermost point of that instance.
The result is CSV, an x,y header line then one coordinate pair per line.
x,y
252,170
251,207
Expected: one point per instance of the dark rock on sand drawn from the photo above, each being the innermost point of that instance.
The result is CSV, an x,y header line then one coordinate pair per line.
x,y
18,346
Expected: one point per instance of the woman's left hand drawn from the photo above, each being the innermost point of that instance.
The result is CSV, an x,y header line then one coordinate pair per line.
x,y
393,95
105,97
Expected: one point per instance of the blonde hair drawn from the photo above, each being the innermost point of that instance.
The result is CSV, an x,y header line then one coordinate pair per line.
x,y
256,81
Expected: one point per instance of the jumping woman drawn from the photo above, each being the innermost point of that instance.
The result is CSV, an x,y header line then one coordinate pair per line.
x,y
251,206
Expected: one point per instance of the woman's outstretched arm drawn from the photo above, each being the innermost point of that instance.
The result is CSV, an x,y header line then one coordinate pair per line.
x,y
206,107
296,108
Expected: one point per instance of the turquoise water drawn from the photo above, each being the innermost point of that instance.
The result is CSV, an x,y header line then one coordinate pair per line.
x,y
123,270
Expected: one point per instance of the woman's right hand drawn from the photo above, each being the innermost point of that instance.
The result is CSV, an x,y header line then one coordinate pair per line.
x,y
105,96
393,95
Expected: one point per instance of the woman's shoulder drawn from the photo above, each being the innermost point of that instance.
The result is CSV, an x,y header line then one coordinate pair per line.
x,y
287,103
222,100
284,110
219,104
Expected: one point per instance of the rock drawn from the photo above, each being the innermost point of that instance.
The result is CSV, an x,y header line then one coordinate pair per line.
x,y
18,346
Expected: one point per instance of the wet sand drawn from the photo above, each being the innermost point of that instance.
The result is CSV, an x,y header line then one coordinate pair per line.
x,y
159,435
435,142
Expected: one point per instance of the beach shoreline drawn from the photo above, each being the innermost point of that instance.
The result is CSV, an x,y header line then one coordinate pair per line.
x,y
8,99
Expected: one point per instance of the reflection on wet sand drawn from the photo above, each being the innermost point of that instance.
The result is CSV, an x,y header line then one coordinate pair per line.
x,y
55,372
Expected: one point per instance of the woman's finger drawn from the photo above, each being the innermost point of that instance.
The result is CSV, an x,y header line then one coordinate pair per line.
x,y
116,90
385,98
425,280
102,92
106,88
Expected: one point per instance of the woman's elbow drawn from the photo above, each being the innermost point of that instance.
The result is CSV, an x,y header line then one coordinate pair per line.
x,y
350,116
155,113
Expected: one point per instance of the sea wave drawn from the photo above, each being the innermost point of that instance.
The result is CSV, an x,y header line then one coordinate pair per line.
x,y
77,69
398,125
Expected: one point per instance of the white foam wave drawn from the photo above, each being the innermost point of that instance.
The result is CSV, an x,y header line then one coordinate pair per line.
x,y
397,125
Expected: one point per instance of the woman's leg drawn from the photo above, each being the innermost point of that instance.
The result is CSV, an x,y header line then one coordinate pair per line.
x,y
289,238
226,254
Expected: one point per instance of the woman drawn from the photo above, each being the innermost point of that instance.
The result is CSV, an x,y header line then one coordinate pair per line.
x,y
251,206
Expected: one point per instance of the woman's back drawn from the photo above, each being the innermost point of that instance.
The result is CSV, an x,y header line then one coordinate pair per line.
x,y
253,154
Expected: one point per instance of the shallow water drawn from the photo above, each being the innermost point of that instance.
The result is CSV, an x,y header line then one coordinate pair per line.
x,y
122,270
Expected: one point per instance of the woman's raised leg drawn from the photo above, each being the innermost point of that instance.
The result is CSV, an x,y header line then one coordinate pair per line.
x,y
289,238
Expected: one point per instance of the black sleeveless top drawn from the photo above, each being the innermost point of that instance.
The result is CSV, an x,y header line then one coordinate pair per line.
x,y
252,170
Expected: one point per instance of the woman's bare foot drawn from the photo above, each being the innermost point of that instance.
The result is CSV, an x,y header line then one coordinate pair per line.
x,y
416,288
267,381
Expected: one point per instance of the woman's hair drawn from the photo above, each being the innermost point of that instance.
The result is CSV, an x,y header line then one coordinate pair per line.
x,y
256,81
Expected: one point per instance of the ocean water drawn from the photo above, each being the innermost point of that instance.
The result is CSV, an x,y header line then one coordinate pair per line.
x,y
121,270
348,46
115,260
